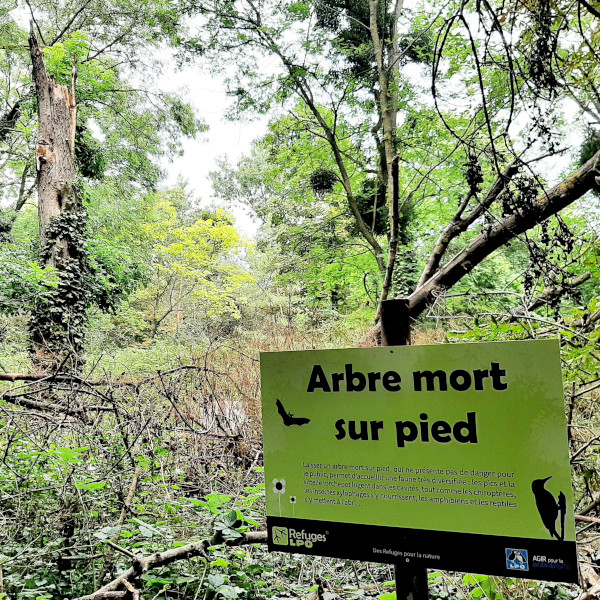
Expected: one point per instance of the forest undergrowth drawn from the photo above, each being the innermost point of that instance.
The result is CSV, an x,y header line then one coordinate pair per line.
x,y
102,471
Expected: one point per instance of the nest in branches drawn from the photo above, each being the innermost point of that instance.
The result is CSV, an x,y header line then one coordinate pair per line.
x,y
322,181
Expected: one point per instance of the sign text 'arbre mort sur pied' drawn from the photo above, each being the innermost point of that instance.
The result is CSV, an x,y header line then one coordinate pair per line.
x,y
448,457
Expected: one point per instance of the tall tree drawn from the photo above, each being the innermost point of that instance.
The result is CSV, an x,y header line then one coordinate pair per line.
x,y
494,86
289,183
103,42
56,325
244,32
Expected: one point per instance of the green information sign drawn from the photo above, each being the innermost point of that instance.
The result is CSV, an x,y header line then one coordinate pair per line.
x,y
449,457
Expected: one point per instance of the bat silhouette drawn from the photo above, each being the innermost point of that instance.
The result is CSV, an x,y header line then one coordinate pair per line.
x,y
288,418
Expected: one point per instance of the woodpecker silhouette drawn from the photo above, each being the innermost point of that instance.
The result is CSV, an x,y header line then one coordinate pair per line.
x,y
550,508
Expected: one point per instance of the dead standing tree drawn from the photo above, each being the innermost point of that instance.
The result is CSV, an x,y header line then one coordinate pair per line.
x,y
59,316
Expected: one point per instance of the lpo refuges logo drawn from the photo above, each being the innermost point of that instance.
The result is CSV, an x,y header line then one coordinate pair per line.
x,y
284,536
517,560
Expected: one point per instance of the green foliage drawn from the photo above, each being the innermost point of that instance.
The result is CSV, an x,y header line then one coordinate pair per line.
x,y
482,586
183,115
172,263
167,282
58,320
95,78
349,23
97,272
136,126
22,281
119,250
91,162
372,203
418,44
590,146
308,247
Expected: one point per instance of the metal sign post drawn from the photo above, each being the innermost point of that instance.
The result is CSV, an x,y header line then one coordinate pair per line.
x,y
411,582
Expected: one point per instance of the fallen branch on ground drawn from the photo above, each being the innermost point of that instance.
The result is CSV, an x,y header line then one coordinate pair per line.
x,y
124,511
143,564
590,507
66,377
587,519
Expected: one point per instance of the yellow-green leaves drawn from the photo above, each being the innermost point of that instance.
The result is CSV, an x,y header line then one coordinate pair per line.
x,y
197,262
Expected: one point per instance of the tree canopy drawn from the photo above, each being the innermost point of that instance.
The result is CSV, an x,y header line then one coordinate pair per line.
x,y
446,156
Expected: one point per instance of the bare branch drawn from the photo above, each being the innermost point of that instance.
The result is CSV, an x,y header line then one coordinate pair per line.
x,y
69,23
556,290
590,8
23,196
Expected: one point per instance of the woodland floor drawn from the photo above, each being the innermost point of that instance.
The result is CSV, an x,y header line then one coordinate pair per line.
x,y
132,459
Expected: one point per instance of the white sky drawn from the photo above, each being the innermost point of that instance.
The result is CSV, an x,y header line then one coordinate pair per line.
x,y
224,137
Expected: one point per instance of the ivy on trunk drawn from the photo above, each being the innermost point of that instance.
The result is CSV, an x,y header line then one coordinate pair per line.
x,y
58,319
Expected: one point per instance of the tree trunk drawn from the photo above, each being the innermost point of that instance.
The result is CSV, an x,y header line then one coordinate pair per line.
x,y
59,315
388,71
